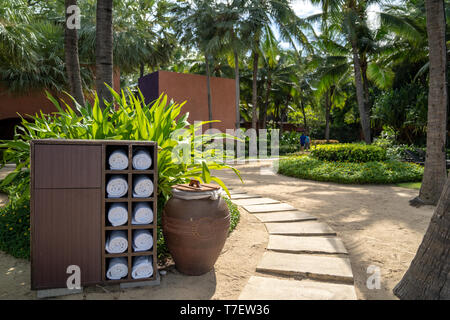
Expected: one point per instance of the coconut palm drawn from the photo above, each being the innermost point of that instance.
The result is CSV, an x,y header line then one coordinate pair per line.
x,y
350,18
195,25
260,14
71,56
104,50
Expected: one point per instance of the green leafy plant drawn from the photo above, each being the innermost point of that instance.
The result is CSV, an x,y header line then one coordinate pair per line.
x,y
374,172
351,152
128,117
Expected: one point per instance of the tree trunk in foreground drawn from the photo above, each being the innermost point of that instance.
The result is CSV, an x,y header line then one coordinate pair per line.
x,y
238,90
71,58
435,172
208,89
428,275
104,50
363,113
255,89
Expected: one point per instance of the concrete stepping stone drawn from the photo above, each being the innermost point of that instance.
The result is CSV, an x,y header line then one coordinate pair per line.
x,y
294,244
269,207
236,191
311,266
306,228
254,201
284,216
264,288
238,196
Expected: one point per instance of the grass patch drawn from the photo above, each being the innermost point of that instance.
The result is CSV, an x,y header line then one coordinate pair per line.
x,y
376,172
234,214
410,185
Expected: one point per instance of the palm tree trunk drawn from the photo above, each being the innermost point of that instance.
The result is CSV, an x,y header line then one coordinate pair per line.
x,y
104,50
435,173
305,124
141,70
263,112
208,88
238,89
427,276
327,116
363,114
71,58
255,89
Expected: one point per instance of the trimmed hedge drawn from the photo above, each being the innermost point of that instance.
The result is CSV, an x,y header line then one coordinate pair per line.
x,y
377,172
350,152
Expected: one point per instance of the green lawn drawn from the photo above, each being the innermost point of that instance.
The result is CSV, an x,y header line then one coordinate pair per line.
x,y
410,185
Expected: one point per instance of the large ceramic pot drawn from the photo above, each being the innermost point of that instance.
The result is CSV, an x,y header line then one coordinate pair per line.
x,y
195,224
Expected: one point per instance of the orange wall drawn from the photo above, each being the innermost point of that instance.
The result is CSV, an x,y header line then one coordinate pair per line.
x,y
192,88
34,101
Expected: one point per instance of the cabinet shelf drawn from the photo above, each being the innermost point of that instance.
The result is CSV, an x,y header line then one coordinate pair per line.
x,y
128,199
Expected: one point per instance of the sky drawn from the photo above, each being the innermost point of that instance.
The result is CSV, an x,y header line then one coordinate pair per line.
x,y
304,8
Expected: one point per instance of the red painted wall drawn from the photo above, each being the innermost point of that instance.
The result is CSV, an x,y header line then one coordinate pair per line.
x,y
192,88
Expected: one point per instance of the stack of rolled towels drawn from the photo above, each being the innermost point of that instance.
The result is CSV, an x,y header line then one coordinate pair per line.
x,y
116,242
142,267
117,268
118,214
142,187
142,214
117,186
142,160
142,240
118,160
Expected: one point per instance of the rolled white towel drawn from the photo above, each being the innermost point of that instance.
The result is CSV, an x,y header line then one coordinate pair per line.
x,y
118,160
142,160
116,242
118,214
117,186
142,214
142,240
142,187
117,268
142,267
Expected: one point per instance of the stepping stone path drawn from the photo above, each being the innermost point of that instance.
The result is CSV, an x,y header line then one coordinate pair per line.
x,y
304,258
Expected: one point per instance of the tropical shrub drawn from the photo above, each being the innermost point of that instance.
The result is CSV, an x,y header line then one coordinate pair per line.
x,y
351,152
374,172
128,117
317,142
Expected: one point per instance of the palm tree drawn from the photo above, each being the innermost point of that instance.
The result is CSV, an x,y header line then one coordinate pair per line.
x,y
427,276
350,18
259,14
230,28
71,57
411,29
104,50
195,24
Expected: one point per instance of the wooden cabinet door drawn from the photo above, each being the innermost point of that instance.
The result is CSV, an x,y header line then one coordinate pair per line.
x,y
66,230
67,166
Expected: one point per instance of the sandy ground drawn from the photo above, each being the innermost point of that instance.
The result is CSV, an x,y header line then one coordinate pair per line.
x,y
376,223
237,262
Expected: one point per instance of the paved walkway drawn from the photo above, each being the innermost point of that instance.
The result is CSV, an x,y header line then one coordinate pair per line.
x,y
304,259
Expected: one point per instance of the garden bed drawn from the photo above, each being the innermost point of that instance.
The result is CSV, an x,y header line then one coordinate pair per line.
x,y
375,172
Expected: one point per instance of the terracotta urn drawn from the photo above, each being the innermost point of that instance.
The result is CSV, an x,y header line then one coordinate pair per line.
x,y
195,224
